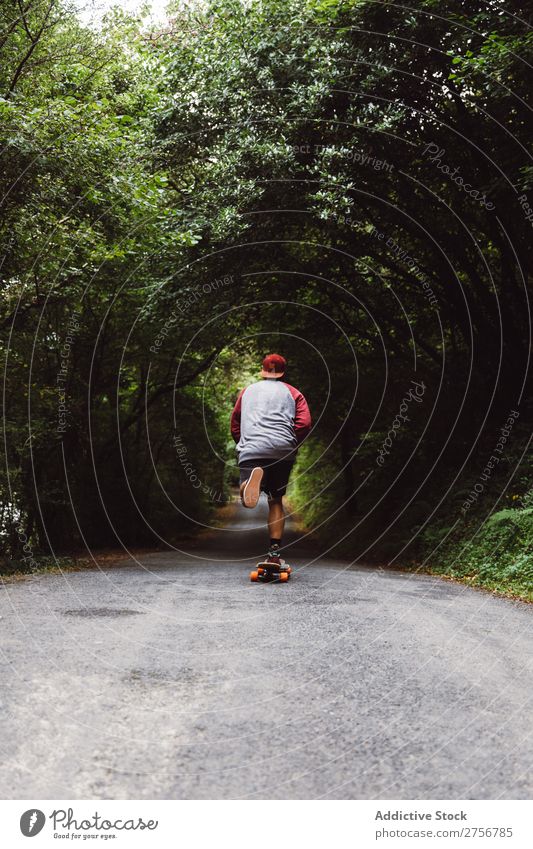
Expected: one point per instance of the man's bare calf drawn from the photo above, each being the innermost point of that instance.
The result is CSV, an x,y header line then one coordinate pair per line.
x,y
276,519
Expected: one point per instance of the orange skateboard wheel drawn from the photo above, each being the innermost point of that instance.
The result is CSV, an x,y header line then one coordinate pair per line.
x,y
283,576
254,576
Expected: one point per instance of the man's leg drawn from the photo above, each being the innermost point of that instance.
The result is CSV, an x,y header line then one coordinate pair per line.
x,y
251,476
276,523
276,519
277,478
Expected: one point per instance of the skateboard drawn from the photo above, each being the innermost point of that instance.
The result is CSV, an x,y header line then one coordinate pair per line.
x,y
271,572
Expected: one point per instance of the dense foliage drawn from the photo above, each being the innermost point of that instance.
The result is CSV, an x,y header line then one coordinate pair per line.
x,y
346,181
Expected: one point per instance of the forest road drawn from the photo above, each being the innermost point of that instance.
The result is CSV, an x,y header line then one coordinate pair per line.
x,y
176,677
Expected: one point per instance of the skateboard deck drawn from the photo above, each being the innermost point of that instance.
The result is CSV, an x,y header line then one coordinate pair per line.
x,y
271,572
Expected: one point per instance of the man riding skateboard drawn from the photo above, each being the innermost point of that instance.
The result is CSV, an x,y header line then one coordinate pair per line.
x,y
269,421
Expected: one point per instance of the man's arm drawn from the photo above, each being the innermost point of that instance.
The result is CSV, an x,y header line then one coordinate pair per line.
x,y
236,418
302,418
302,414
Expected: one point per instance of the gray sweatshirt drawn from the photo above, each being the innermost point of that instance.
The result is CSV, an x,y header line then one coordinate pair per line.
x,y
269,420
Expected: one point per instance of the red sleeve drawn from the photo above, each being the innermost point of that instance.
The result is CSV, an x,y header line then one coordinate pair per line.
x,y
302,415
236,418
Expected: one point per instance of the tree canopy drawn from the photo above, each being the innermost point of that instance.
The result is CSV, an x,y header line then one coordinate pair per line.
x,y
345,181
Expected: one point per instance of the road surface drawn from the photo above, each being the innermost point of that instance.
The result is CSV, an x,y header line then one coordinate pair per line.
x,y
175,677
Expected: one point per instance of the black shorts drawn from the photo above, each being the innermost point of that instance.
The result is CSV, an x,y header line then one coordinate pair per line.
x,y
276,474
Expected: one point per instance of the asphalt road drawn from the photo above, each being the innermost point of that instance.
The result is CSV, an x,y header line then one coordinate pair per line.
x,y
175,677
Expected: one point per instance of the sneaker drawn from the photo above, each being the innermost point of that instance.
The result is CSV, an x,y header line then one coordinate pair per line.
x,y
251,489
275,559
